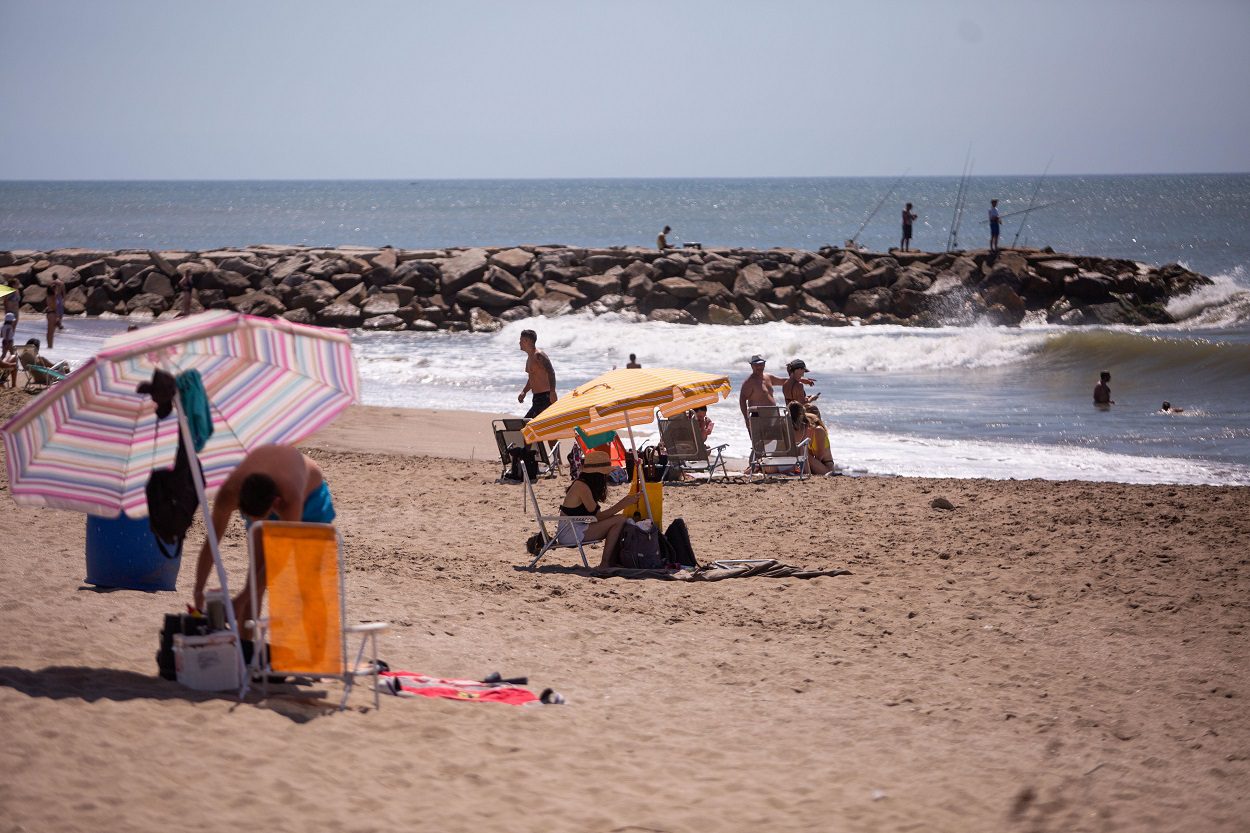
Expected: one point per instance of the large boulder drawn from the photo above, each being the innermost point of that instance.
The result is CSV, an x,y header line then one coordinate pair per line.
x,y
504,281
486,296
65,274
158,284
908,303
288,265
99,300
722,270
515,261
245,266
672,316
144,300
384,303
864,302
717,314
35,296
227,282
76,301
912,278
783,274
814,267
596,286
670,267
403,294
257,303
1088,286
341,314
1056,270
597,264
463,269
299,316
389,321
751,283
313,296
421,275
680,288
1005,306
809,304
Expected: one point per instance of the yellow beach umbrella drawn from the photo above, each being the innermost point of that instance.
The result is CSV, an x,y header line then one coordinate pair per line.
x,y
625,398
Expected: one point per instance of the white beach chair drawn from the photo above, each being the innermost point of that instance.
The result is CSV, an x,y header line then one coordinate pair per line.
x,y
774,452
306,630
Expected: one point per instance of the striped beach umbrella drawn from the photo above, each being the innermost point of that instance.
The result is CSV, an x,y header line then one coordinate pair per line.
x,y
88,443
626,399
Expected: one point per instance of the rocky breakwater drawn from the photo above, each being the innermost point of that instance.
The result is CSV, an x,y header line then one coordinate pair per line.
x,y
479,288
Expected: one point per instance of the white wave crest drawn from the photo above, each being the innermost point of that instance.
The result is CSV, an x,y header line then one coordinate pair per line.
x,y
1225,301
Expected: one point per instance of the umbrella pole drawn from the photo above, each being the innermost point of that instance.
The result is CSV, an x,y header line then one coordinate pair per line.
x,y
642,480
197,476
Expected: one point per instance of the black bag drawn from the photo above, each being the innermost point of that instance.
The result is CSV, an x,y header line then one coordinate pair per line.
x,y
172,503
522,456
676,545
640,549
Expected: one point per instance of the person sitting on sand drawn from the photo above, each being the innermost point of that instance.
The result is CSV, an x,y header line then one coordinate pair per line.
x,y
1102,391
807,425
1167,408
584,497
273,482
793,391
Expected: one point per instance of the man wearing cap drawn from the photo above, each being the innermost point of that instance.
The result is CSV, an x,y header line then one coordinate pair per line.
x,y
757,390
793,391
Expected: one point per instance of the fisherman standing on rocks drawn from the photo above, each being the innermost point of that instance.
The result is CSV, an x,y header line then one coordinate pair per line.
x,y
909,217
994,225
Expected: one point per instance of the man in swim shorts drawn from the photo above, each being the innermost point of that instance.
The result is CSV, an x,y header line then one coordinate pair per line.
x,y
273,482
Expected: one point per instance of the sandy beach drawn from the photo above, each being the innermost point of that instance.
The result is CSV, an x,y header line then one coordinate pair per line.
x,y
1048,656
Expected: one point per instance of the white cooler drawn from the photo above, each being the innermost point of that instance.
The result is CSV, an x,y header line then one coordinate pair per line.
x,y
207,663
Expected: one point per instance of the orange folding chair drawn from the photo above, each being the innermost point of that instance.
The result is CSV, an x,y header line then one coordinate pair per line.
x,y
306,630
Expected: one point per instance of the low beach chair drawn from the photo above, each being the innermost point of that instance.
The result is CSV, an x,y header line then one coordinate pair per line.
x,y
38,377
306,630
687,449
549,540
774,452
508,434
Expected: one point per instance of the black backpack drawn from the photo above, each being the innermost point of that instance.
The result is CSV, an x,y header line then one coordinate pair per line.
x,y
522,456
675,545
640,549
172,503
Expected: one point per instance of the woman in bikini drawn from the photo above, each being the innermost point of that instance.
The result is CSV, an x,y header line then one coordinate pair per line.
x,y
583,498
807,424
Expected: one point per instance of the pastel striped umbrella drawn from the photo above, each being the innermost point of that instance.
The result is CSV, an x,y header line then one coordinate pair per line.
x,y
88,443
625,399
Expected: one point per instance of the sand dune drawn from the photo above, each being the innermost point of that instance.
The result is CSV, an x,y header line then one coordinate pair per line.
x,y
1046,657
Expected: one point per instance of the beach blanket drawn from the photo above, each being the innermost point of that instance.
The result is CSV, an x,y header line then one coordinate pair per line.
x,y
719,570
408,684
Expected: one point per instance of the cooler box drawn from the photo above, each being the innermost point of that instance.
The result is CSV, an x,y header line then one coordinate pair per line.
x,y
207,663
122,552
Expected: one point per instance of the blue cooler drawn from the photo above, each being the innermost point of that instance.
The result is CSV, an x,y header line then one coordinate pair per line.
x,y
122,552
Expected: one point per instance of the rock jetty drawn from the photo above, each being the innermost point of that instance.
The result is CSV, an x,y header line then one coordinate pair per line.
x,y
479,289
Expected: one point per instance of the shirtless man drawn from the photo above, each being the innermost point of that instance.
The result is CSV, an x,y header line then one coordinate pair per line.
x,y
274,482
661,240
1102,391
792,390
757,390
53,307
540,376
633,363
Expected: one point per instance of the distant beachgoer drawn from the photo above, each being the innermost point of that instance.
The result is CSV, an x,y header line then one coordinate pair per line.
x,y
792,390
661,241
131,328
909,217
8,331
187,285
540,376
13,301
1167,408
994,225
58,295
633,363
1102,391
273,482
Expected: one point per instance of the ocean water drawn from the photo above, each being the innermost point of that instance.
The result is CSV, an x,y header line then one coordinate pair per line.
x,y
952,401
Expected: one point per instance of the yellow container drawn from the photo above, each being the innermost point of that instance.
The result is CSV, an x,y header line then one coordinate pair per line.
x,y
638,511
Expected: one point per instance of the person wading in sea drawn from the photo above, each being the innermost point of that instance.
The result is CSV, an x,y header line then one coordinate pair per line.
x,y
540,376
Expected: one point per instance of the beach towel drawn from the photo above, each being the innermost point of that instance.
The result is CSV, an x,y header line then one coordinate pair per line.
x,y
720,570
195,405
408,684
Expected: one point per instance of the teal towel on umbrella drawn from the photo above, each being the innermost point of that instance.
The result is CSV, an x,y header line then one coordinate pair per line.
x,y
195,405
596,440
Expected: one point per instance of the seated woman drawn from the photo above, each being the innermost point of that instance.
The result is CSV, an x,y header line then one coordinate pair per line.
x,y
808,425
584,497
700,418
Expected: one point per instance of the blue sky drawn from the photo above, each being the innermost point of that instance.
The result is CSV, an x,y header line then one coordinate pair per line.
x,y
408,90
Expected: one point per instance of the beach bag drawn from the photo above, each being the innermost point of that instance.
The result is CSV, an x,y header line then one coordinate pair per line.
x,y
522,456
675,545
640,546
172,503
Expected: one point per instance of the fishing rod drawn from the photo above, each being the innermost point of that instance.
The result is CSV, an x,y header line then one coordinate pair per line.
x,y
1021,211
1037,187
952,239
850,244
